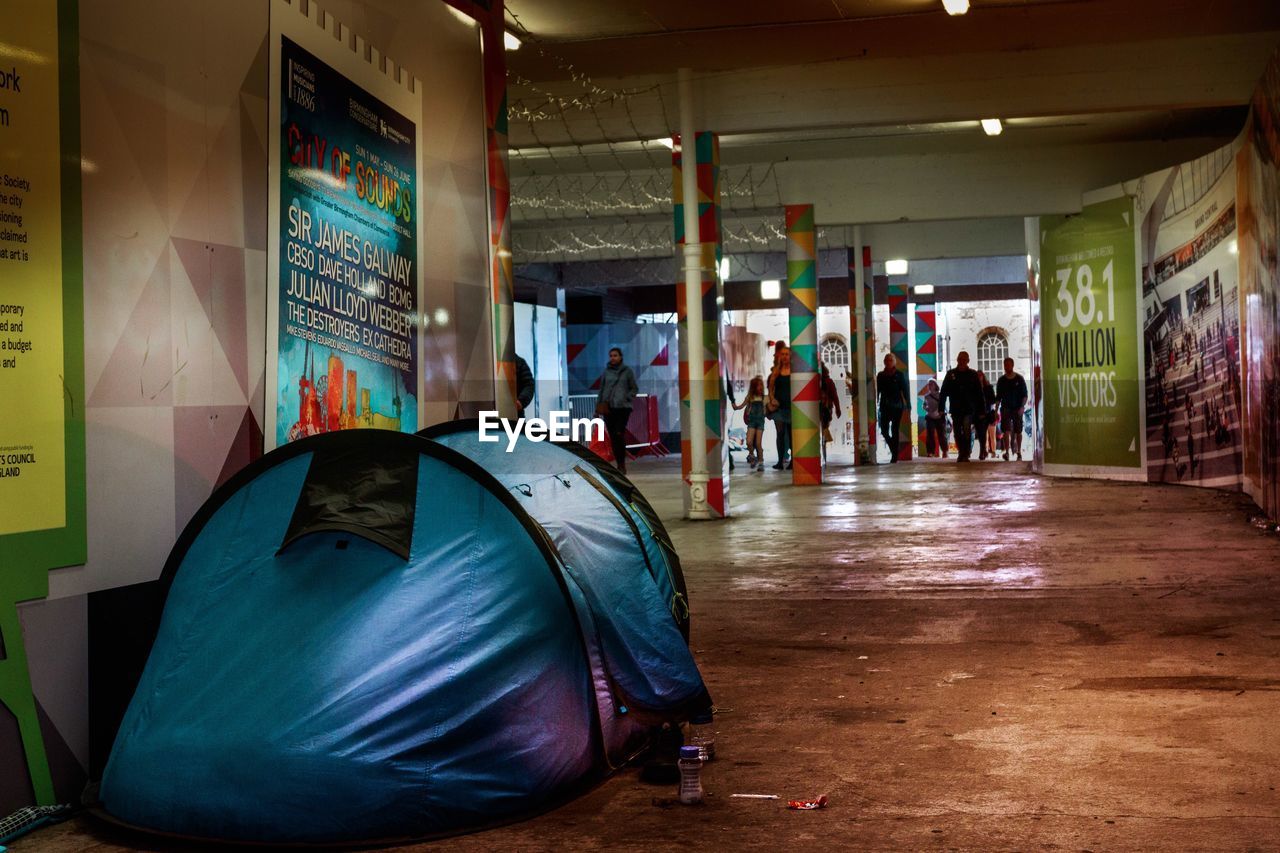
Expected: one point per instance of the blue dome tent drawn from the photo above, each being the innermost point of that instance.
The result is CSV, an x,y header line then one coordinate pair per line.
x,y
619,555
539,460
366,638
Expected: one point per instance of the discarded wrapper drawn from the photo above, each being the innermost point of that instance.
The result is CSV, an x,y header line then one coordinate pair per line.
x,y
755,796
807,805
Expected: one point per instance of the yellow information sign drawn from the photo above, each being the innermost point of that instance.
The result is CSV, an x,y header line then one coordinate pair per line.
x,y
32,427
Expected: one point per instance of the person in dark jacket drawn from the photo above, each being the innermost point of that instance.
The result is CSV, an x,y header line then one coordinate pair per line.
x,y
618,389
1011,390
935,420
963,388
524,386
828,405
985,423
895,396
778,408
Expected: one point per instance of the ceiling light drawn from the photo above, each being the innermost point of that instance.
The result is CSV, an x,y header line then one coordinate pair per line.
x,y
955,7
992,126
923,290
668,142
510,40
770,288
1233,247
897,267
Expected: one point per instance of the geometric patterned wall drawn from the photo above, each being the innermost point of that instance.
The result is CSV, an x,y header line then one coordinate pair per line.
x,y
174,141
175,260
802,287
648,348
175,245
900,347
926,363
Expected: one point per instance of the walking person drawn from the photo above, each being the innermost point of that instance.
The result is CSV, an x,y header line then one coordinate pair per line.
x,y
1011,392
524,386
985,423
828,400
891,387
961,387
754,417
935,420
618,389
778,408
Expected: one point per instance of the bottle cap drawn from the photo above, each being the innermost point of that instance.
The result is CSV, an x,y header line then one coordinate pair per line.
x,y
690,752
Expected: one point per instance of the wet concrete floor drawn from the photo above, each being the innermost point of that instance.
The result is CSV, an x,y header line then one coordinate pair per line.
x,y
961,658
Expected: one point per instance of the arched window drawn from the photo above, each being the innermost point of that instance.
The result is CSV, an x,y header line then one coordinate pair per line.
x,y
993,349
834,353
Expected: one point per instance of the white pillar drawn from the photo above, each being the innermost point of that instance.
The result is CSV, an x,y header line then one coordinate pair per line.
x,y
865,421
698,477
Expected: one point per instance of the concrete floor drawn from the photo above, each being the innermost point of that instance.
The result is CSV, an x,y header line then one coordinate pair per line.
x,y
967,658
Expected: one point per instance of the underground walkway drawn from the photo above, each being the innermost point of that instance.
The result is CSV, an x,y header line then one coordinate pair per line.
x,y
964,658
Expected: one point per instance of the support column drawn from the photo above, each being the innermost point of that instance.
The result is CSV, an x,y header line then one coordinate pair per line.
x,y
500,274
870,368
861,417
926,364
900,347
704,460
802,289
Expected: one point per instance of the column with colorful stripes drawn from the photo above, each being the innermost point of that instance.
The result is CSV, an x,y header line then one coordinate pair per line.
x,y
706,366
926,364
501,281
900,347
802,290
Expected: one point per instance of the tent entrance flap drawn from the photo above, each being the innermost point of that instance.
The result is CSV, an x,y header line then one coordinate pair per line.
x,y
367,494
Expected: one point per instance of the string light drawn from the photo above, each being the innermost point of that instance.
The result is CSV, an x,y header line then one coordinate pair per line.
x,y
632,239
562,215
646,192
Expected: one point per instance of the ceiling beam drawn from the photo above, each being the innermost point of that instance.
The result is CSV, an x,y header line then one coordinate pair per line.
x,y
1014,28
1188,73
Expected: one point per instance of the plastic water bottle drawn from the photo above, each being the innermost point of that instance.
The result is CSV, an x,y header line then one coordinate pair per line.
x,y
690,775
703,736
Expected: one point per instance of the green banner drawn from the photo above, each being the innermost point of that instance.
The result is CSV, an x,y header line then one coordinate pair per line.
x,y
1089,310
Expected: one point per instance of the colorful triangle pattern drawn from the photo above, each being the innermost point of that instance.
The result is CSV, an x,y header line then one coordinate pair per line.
x,y
926,363
802,304
900,346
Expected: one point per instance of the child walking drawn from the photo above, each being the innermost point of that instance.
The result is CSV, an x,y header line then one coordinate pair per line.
x,y
754,416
